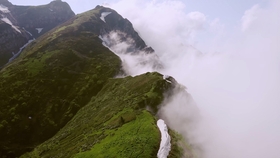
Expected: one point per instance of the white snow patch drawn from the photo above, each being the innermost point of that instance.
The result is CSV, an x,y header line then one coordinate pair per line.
x,y
28,32
6,20
165,145
168,81
20,50
103,15
165,77
39,30
4,9
50,9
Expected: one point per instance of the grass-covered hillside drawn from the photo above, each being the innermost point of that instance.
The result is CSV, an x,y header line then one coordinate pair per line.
x,y
59,98
53,78
115,123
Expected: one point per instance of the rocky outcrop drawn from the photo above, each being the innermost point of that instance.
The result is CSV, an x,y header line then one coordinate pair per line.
x,y
27,22
6,3
107,20
44,17
11,41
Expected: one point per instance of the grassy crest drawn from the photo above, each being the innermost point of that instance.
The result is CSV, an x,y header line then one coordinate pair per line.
x,y
114,124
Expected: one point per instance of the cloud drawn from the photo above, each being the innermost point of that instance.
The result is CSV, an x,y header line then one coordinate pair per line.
x,y
216,25
176,26
236,89
134,61
249,17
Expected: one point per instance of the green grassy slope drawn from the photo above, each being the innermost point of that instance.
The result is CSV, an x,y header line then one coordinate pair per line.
x,y
52,79
114,124
60,98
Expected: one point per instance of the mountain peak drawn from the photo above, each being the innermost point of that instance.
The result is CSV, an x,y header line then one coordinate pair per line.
x,y
115,22
23,23
6,3
59,2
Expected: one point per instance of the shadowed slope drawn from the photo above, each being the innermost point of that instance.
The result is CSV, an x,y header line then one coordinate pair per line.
x,y
25,20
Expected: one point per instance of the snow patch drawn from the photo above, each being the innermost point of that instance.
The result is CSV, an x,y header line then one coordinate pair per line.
x,y
28,32
103,15
165,77
4,9
20,50
6,20
50,9
165,145
39,30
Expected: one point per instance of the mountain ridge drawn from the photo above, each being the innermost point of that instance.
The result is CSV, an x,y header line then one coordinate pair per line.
x,y
62,88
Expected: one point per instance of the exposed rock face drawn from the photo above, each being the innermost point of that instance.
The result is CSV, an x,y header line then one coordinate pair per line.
x,y
24,20
112,22
6,3
45,16
10,41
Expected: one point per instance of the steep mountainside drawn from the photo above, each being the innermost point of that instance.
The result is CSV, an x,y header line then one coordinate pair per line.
x,y
27,22
59,98
11,41
45,17
54,77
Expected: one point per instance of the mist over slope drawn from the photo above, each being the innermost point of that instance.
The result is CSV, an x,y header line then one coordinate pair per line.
x,y
235,83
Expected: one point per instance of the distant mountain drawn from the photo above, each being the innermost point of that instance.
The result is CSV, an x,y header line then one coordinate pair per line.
x,y
59,98
19,24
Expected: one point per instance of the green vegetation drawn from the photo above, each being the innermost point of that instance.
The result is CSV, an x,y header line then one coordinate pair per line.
x,y
59,99
52,79
139,138
114,120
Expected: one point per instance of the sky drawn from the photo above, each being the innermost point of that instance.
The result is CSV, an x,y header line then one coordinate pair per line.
x,y
222,9
227,56
223,15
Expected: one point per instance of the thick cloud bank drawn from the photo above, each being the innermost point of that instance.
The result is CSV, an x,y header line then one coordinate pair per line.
x,y
234,79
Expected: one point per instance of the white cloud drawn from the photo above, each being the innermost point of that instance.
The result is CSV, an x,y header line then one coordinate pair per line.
x,y
162,19
249,17
196,20
236,90
216,25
